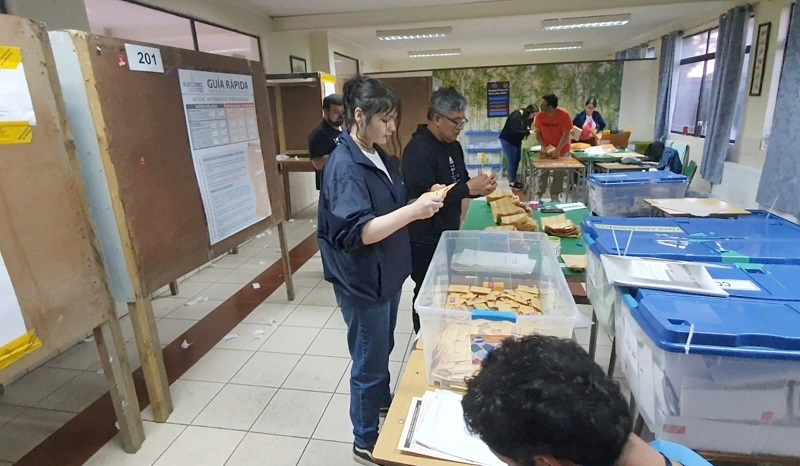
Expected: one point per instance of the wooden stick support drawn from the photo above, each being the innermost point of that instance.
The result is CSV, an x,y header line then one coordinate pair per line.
x,y
149,345
114,358
287,265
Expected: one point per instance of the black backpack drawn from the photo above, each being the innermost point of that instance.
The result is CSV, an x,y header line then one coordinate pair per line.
x,y
654,151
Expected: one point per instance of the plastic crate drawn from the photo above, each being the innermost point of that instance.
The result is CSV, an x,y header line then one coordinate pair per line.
x,y
623,194
481,140
474,170
448,335
729,387
755,239
484,158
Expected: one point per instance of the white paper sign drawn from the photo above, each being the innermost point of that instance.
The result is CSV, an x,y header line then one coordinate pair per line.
x,y
741,285
12,325
15,97
223,133
141,58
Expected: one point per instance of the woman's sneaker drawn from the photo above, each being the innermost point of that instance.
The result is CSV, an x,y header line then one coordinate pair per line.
x,y
363,456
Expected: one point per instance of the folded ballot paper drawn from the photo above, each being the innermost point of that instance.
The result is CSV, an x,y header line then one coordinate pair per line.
x,y
435,428
470,260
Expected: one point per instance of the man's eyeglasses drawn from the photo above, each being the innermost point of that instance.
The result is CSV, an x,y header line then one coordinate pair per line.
x,y
459,124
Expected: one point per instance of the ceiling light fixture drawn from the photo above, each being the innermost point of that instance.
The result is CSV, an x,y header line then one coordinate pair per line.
x,y
585,22
434,53
552,46
410,34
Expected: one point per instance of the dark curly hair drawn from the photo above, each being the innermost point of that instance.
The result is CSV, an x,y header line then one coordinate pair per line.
x,y
542,395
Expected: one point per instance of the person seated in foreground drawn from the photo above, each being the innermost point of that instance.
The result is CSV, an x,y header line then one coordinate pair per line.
x,y
543,401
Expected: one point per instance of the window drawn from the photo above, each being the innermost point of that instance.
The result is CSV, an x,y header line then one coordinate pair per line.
x,y
126,19
221,41
695,78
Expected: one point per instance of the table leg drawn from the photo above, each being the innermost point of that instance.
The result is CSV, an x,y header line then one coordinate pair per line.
x,y
173,289
612,363
593,336
287,193
286,263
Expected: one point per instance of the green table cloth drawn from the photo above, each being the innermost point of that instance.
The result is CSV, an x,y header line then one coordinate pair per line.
x,y
479,216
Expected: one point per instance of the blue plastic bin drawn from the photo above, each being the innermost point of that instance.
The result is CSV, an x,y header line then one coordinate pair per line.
x,y
714,374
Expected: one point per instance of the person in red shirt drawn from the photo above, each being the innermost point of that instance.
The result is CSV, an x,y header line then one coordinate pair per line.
x,y
553,127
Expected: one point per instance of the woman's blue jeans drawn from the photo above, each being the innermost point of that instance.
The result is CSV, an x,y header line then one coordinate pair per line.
x,y
514,154
370,338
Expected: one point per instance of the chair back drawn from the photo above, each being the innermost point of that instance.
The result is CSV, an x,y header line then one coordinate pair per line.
x,y
677,452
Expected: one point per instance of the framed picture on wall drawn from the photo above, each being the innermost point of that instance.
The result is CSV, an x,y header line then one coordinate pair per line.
x,y
297,64
760,61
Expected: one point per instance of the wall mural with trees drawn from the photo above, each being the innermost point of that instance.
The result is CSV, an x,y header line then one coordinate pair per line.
x,y
573,83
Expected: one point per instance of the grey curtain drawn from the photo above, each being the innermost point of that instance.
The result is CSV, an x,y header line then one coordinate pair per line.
x,y
666,71
780,177
728,65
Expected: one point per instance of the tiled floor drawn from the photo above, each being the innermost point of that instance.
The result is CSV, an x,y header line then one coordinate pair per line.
x,y
275,391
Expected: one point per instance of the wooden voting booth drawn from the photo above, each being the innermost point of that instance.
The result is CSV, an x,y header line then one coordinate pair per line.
x,y
414,93
53,287
296,102
151,187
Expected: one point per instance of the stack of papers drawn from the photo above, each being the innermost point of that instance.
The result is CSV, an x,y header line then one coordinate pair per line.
x,y
470,260
686,277
561,226
571,206
435,427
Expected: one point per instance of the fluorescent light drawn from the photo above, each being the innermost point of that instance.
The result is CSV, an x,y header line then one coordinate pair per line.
x,y
410,34
553,46
585,22
434,53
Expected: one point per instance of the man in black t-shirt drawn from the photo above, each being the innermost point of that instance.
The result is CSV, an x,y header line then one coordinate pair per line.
x,y
325,136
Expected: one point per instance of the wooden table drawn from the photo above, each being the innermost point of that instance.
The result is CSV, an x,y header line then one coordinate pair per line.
x,y
413,383
724,210
590,160
285,167
566,164
621,167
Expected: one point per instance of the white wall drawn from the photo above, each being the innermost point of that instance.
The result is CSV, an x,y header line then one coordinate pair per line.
x,y
56,14
637,108
281,45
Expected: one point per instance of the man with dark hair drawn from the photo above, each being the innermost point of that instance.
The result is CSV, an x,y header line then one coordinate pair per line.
x,y
325,136
553,128
543,401
434,156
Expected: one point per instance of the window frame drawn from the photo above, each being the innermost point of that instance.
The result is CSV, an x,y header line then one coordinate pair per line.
x,y
705,58
193,20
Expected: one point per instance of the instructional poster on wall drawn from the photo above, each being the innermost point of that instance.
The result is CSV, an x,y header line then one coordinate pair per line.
x,y
223,131
12,325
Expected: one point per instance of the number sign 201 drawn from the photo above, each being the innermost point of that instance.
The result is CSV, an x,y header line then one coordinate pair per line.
x,y
147,58
142,58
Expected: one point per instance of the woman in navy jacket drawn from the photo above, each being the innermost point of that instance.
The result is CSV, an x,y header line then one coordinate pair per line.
x,y
590,121
366,253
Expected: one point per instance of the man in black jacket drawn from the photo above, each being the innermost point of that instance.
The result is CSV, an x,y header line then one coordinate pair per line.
x,y
517,128
434,156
